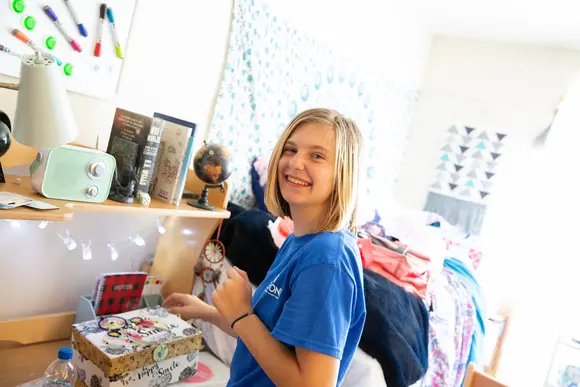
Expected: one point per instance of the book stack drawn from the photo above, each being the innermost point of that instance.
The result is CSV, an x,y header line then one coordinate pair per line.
x,y
158,148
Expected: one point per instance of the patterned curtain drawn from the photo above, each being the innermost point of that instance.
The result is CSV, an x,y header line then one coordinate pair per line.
x,y
274,71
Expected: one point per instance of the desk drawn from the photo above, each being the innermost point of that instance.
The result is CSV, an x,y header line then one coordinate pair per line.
x,y
25,363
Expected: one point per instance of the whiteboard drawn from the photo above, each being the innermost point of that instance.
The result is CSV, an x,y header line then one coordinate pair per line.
x,y
93,76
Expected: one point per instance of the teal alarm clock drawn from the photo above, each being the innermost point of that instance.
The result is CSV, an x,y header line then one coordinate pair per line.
x,y
73,173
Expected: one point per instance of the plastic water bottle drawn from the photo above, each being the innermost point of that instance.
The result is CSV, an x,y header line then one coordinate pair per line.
x,y
61,372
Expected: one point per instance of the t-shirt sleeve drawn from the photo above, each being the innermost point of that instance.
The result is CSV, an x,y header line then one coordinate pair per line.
x,y
318,313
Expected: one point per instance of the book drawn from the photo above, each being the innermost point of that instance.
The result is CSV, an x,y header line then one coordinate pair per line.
x,y
178,194
174,158
118,292
134,142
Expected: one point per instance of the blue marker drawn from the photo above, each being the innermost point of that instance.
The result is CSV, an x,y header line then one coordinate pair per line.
x,y
82,28
114,31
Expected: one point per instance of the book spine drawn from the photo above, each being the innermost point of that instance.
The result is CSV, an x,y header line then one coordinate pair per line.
x,y
146,166
183,175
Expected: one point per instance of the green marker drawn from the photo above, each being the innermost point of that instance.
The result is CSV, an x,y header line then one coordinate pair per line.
x,y
18,6
50,42
68,68
29,22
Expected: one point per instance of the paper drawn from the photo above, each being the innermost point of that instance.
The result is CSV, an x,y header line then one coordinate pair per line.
x,y
10,200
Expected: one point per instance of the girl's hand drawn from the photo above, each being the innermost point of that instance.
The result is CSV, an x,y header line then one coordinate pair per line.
x,y
188,307
233,297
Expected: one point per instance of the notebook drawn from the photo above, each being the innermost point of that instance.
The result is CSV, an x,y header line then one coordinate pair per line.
x,y
118,292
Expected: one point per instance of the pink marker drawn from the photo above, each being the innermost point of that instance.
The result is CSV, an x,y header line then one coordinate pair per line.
x,y
49,11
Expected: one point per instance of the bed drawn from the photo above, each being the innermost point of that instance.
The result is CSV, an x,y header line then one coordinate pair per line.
x,y
425,319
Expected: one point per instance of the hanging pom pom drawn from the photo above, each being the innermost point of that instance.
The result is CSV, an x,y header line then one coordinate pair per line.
x,y
68,241
160,227
87,253
138,240
114,251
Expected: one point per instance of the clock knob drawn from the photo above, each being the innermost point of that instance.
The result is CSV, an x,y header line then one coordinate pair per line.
x,y
97,169
92,191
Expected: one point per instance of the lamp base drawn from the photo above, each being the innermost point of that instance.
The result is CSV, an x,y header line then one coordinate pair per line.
x,y
2,179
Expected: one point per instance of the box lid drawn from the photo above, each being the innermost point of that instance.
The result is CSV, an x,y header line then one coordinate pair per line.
x,y
132,340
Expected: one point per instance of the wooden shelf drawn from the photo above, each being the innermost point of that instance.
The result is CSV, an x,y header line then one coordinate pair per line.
x,y
66,209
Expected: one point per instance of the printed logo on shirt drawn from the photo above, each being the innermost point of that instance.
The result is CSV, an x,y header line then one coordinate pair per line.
x,y
274,290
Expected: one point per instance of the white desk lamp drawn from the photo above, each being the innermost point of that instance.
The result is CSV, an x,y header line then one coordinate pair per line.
x,y
44,117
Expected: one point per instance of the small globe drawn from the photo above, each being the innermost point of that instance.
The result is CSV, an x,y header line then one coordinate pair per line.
x,y
5,139
213,164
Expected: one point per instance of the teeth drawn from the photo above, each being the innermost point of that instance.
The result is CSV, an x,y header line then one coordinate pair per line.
x,y
299,182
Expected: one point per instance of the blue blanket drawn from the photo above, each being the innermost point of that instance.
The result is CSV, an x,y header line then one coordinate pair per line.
x,y
396,331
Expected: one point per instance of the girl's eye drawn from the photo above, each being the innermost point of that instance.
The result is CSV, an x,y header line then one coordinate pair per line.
x,y
317,156
289,150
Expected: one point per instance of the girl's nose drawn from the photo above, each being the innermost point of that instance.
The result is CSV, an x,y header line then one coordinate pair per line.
x,y
297,161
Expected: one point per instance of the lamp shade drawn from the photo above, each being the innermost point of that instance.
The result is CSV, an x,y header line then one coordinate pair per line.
x,y
43,116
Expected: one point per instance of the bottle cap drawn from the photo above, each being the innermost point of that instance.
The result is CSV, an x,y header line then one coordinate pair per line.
x,y
65,353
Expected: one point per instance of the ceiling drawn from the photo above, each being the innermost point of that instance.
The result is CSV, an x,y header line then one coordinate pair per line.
x,y
555,23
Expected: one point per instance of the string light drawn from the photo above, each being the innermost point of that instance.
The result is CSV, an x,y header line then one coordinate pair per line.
x,y
87,253
138,240
86,245
13,223
160,227
187,232
113,250
68,241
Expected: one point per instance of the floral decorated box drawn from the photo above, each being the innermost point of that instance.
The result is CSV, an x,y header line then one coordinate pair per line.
x,y
160,374
117,344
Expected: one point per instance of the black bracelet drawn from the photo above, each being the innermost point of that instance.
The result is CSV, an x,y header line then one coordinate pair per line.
x,y
241,317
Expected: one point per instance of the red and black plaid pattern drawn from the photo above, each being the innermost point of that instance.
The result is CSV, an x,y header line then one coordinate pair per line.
x,y
119,293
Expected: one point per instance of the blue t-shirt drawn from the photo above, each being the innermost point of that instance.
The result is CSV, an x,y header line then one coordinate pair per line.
x,y
312,298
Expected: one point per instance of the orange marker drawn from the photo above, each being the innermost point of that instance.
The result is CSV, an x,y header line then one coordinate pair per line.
x,y
25,39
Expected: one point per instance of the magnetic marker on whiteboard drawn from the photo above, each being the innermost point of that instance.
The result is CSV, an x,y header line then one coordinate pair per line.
x,y
102,12
82,28
114,31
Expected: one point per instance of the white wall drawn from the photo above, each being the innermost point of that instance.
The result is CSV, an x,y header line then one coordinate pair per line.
x,y
35,269
506,87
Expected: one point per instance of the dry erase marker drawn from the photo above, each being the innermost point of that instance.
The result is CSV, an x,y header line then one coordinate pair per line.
x,y
50,13
102,12
9,51
25,39
114,30
82,28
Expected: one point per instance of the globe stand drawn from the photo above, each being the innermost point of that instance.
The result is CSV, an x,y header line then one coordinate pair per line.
x,y
202,201
2,179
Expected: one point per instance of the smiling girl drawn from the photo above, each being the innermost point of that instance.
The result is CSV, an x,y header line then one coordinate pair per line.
x,y
304,323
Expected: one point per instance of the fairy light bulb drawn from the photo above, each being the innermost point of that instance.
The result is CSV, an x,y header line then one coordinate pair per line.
x,y
42,225
187,232
86,248
160,227
13,223
68,241
138,240
114,251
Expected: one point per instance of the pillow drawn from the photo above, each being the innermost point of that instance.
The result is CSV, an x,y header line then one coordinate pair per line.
x,y
259,177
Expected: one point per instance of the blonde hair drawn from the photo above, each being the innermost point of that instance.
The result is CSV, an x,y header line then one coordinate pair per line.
x,y
343,200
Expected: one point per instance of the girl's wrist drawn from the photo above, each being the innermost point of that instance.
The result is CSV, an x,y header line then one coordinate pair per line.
x,y
212,315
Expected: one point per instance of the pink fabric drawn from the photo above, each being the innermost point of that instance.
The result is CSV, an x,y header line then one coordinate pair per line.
x,y
410,271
